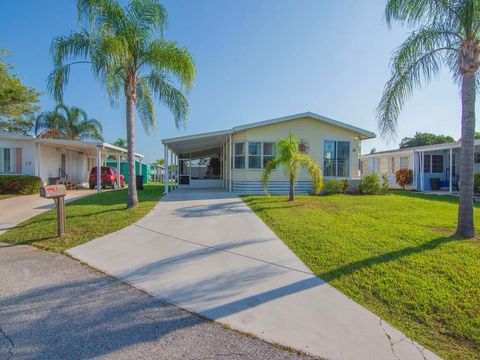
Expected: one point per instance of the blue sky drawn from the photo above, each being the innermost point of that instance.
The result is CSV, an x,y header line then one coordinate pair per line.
x,y
255,60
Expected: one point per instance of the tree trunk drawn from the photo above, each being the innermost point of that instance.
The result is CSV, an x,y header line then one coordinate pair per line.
x,y
132,199
465,226
292,188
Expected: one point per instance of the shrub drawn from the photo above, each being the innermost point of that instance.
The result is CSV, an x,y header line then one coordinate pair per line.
x,y
333,186
370,184
404,177
476,183
385,183
20,184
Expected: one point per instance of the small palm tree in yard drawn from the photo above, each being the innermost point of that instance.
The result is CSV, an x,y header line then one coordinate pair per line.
x,y
68,122
447,34
129,56
292,160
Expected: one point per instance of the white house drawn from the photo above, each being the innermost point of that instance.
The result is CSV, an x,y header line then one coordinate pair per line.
x,y
54,160
234,159
435,167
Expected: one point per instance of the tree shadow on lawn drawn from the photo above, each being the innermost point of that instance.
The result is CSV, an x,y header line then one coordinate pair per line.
x,y
355,266
450,199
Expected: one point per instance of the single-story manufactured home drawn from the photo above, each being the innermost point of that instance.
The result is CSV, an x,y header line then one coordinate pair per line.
x,y
234,159
55,160
435,167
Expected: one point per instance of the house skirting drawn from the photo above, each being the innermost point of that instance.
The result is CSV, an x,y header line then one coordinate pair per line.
x,y
277,187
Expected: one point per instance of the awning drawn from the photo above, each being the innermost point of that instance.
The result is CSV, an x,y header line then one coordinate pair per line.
x,y
86,146
198,142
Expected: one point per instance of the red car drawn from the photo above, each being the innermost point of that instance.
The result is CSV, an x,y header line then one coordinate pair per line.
x,y
109,177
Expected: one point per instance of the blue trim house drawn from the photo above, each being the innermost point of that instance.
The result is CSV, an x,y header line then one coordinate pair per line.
x,y
435,167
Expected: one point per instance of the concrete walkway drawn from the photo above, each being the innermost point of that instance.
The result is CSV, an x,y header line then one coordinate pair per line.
x,y
206,251
17,209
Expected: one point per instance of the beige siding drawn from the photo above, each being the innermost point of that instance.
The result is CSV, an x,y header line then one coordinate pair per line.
x,y
313,131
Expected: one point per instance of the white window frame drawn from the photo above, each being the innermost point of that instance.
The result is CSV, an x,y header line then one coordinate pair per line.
x,y
245,144
259,155
404,166
350,148
263,152
13,165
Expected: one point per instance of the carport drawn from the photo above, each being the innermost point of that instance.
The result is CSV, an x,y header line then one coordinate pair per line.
x,y
199,161
72,159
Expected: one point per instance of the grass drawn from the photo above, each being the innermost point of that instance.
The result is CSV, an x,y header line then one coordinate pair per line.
x,y
6,196
86,219
396,255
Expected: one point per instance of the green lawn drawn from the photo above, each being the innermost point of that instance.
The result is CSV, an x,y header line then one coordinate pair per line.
x,y
6,196
396,255
87,219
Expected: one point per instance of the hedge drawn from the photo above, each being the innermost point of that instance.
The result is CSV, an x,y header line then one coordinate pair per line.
x,y
20,184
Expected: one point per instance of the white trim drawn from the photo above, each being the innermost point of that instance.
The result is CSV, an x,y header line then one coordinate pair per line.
x,y
450,188
366,133
230,165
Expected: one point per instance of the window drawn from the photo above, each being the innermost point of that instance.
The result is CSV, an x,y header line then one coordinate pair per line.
x,y
477,158
403,163
268,152
239,155
392,163
426,163
336,158
254,155
7,160
437,163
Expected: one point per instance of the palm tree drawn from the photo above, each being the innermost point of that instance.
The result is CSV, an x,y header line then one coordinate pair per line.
x,y
288,156
129,56
447,34
120,143
68,122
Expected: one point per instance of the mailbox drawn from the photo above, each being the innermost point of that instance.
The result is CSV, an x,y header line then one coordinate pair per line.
x,y
53,191
57,193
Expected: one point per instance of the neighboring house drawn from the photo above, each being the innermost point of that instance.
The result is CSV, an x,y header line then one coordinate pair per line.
x,y
53,160
234,159
430,164
140,169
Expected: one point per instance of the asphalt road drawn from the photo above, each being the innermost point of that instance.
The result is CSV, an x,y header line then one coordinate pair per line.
x,y
53,307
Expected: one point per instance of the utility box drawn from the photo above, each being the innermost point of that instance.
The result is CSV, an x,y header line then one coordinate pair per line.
x,y
53,191
56,193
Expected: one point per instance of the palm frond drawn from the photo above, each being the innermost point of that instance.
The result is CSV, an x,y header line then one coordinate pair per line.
x,y
167,56
413,12
148,15
400,87
145,105
313,170
267,172
169,95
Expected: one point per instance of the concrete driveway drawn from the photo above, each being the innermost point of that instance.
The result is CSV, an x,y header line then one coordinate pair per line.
x,y
17,209
209,253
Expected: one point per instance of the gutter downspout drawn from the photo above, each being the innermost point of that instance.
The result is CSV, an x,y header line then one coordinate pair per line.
x,y
230,164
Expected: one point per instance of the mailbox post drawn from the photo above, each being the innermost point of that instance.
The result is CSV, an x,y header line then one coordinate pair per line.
x,y
57,193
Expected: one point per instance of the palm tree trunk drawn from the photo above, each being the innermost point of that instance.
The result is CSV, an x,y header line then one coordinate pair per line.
x,y
465,227
292,188
132,199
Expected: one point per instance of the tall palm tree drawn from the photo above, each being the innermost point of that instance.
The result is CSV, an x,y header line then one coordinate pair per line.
x,y
129,56
447,33
292,160
68,122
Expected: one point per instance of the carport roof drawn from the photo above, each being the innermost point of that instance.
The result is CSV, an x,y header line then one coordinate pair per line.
x,y
197,142
107,148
